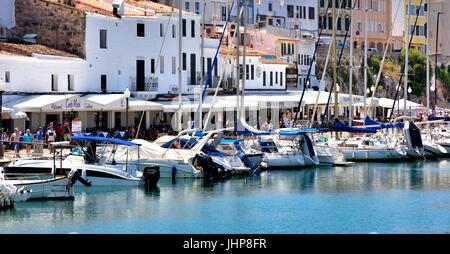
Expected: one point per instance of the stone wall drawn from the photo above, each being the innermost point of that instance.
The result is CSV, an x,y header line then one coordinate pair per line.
x,y
57,25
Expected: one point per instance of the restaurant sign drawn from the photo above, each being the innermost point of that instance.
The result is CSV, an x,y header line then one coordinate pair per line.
x,y
72,103
291,76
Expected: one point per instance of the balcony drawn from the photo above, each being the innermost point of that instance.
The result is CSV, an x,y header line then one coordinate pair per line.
x,y
149,90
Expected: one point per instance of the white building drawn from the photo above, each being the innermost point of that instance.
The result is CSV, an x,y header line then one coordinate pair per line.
x,y
290,14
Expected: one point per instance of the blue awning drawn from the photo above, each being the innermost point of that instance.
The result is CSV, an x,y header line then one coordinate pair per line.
x,y
106,140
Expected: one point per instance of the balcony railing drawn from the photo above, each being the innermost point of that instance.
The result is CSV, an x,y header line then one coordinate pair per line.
x,y
150,84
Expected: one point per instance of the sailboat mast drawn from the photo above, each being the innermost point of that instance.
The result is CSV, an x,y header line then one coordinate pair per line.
x,y
202,72
366,50
405,88
427,40
335,85
350,73
238,66
244,58
180,60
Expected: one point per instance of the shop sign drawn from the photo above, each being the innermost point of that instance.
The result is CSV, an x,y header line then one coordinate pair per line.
x,y
76,126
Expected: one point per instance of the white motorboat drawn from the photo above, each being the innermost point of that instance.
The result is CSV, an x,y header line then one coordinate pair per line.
x,y
278,156
94,166
176,162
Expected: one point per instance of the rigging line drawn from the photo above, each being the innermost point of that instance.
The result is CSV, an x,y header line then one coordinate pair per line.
x,y
398,87
311,64
215,59
339,62
154,74
384,57
220,80
324,71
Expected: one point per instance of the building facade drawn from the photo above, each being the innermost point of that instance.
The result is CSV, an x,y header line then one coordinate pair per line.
x,y
420,31
380,23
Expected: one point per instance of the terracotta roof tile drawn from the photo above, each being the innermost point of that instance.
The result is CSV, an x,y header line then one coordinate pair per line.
x,y
27,49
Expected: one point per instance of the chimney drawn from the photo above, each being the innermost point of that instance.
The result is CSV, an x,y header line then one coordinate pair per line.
x,y
118,8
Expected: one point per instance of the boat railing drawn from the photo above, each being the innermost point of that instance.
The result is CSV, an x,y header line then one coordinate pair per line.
x,y
27,176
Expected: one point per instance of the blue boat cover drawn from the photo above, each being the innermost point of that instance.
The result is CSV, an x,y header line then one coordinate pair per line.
x,y
436,118
368,122
103,139
339,126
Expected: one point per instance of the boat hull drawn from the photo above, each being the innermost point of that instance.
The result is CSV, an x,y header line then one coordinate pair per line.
x,y
278,160
49,189
361,154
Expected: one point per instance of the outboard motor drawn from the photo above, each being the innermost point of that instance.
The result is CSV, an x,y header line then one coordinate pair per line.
x,y
151,176
207,166
74,176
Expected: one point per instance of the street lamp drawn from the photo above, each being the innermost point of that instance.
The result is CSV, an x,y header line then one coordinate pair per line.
x,y
409,90
127,95
2,90
435,60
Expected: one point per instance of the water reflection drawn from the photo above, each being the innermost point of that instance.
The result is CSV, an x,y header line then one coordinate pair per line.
x,y
270,196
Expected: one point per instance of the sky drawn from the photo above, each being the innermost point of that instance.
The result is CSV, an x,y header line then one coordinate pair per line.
x,y
398,23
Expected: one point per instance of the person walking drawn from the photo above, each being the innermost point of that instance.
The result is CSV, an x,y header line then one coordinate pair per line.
x,y
51,137
3,141
27,139
15,141
39,148
67,131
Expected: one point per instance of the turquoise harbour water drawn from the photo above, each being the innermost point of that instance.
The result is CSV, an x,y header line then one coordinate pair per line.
x,y
366,198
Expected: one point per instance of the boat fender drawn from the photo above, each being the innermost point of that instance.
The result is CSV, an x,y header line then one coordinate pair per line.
x,y
174,172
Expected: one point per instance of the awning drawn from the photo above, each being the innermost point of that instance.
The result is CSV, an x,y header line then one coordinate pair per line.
x,y
117,102
222,103
57,103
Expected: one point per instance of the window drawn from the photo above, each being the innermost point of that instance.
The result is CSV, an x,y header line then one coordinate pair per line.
x,y
193,28
103,83
252,71
174,34
184,28
297,12
322,3
103,39
186,6
174,65
271,78
339,23
281,79
264,78
270,6
276,77
140,28
330,22
290,11
224,13
347,23
184,61
161,64
7,77
197,7
54,82
247,72
70,82
270,22
311,13
152,66
241,72
161,30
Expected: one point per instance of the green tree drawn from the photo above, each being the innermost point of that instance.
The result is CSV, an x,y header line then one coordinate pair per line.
x,y
444,75
417,66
